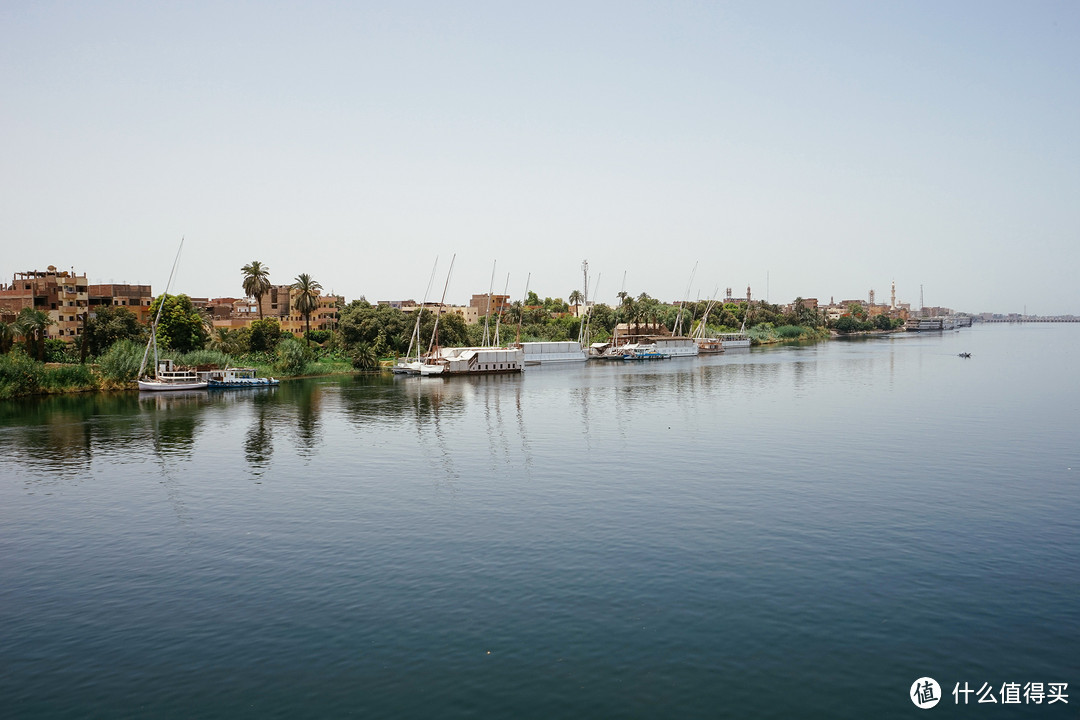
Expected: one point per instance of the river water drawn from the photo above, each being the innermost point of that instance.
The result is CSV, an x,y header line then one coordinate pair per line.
x,y
796,531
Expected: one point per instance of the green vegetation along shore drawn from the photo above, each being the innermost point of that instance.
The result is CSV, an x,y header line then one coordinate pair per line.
x,y
111,348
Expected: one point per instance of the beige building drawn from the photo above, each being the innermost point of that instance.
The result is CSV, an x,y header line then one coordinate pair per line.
x,y
63,295
481,305
279,303
136,298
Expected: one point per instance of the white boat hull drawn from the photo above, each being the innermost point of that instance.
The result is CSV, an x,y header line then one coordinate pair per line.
x,y
158,386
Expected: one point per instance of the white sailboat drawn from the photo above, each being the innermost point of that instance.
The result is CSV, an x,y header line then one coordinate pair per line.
x,y
165,375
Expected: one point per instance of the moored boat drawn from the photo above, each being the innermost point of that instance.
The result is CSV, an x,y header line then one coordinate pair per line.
x,y
236,378
168,377
734,340
472,361
542,353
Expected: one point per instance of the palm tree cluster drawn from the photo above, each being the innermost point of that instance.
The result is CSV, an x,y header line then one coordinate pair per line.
x,y
257,283
32,326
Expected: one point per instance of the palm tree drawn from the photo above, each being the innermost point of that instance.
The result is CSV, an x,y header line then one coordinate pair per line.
x,y
7,336
307,299
32,325
256,282
575,297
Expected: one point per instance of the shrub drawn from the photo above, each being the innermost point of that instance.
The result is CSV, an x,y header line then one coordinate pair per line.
x,y
292,356
67,377
365,357
120,363
789,332
202,357
19,375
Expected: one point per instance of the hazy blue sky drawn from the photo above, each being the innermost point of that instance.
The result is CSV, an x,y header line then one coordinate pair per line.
x,y
831,147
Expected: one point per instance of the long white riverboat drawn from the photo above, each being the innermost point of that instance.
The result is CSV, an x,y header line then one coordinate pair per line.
x,y
734,340
675,345
543,353
472,361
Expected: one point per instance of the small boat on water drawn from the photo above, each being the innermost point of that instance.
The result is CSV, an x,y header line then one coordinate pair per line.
x,y
236,378
643,352
168,377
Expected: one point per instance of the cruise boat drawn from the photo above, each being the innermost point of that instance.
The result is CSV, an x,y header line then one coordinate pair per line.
x,y
472,361
543,353
236,378
168,377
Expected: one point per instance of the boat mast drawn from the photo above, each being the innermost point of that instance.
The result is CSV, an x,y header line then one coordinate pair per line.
x,y
588,320
435,330
419,314
487,314
161,306
682,303
521,315
502,306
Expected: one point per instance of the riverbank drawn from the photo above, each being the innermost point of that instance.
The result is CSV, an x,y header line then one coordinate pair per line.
x,y
22,377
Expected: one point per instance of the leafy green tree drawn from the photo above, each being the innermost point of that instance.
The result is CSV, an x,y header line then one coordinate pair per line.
x,y
364,323
256,282
264,335
111,323
231,341
307,300
847,324
181,326
532,298
883,322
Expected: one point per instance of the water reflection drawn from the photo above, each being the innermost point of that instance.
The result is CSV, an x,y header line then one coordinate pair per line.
x,y
259,440
53,439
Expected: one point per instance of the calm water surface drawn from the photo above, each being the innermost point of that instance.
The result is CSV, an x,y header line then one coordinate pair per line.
x,y
784,532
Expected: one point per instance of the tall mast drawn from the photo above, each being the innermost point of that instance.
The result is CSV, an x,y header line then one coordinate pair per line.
x,y
420,313
682,303
487,311
435,330
502,306
161,305
521,315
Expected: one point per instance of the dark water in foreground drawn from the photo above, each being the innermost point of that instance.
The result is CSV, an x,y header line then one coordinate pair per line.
x,y
790,532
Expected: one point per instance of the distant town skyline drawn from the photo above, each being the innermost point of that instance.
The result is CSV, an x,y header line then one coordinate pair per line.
x,y
806,149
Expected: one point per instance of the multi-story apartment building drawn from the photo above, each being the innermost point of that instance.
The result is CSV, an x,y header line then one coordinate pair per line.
x,y
479,306
62,294
136,298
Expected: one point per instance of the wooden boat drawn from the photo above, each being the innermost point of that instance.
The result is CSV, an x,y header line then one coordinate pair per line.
x,y
168,377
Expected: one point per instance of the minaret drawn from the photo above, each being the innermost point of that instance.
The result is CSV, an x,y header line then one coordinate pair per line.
x,y
892,301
